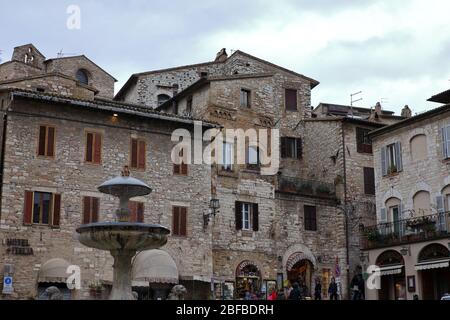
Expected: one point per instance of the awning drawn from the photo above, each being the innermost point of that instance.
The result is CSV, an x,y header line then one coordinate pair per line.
x,y
390,270
54,270
154,266
433,264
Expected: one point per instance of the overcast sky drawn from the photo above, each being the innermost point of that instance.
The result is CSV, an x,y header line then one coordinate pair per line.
x,y
398,50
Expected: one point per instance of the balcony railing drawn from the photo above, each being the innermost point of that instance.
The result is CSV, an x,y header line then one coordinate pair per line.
x,y
416,229
306,187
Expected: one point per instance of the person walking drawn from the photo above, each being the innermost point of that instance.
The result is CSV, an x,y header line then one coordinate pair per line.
x,y
295,293
333,289
318,290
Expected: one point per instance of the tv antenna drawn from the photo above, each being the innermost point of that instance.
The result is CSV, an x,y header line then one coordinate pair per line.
x,y
384,100
352,98
62,54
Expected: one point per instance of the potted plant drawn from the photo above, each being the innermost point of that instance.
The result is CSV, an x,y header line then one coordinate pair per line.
x,y
392,169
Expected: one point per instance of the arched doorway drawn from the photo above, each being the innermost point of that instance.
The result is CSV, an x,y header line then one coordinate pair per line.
x,y
300,269
392,272
434,271
248,279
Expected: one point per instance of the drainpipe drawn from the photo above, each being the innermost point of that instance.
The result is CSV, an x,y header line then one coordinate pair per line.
x,y
2,158
345,208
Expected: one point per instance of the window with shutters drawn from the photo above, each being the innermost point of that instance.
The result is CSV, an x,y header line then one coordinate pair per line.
x,y
46,143
181,169
138,154
179,221
310,218
227,156
253,158
391,159
90,209
189,105
247,216
291,148
369,181
42,208
93,148
290,99
363,141
245,98
446,142
136,211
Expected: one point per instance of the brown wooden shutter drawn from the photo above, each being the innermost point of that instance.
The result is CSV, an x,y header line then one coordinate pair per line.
x,y
291,99
95,210
132,206
310,218
86,210
369,181
134,153
176,169
283,147
56,210
142,155
140,212
176,221
238,214
255,214
299,148
183,222
89,146
359,140
184,169
42,138
50,142
98,148
28,208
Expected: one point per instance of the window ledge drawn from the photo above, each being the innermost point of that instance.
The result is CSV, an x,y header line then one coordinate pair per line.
x,y
226,173
247,233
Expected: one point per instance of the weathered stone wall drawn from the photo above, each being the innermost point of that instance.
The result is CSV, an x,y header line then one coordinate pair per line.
x,y
16,70
70,176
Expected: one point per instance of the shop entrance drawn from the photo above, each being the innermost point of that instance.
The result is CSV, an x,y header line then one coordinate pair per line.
x,y
301,272
248,281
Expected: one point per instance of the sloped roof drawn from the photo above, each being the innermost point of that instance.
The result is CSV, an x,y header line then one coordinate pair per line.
x,y
443,97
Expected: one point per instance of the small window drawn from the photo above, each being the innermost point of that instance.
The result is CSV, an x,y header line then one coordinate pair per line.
x,y
46,144
369,181
245,98
181,169
253,159
136,211
310,218
42,208
291,99
291,148
162,98
246,216
446,142
138,154
189,105
363,141
93,148
82,77
90,209
227,161
391,159
179,221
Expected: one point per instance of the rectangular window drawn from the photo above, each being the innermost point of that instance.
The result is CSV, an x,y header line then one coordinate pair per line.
x,y
290,99
310,218
93,148
179,221
253,160
245,98
42,208
246,216
363,141
181,169
136,211
90,209
189,105
291,148
446,142
46,147
138,154
369,181
227,160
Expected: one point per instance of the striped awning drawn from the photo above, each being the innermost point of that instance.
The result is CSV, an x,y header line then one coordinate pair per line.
x,y
390,270
433,264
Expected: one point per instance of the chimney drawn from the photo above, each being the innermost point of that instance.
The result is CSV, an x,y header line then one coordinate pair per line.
x,y
378,109
221,55
406,112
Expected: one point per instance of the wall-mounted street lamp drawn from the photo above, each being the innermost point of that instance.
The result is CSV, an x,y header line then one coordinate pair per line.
x,y
364,256
214,206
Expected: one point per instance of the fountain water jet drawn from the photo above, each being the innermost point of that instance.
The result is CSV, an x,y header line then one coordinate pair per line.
x,y
122,238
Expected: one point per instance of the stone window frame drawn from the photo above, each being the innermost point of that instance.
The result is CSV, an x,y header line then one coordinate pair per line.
x,y
289,88
186,225
47,126
249,101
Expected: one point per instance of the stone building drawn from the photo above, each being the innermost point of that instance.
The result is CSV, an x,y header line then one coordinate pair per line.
x,y
270,228
410,242
57,147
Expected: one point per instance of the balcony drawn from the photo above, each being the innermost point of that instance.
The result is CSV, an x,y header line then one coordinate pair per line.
x,y
425,228
304,187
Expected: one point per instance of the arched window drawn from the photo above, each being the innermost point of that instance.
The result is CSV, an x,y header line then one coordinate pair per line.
x,y
419,147
82,76
422,203
433,252
446,197
388,258
162,98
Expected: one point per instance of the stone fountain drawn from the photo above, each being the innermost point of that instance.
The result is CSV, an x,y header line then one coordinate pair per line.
x,y
122,238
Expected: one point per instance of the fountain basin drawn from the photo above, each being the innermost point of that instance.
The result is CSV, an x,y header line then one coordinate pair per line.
x,y
123,236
